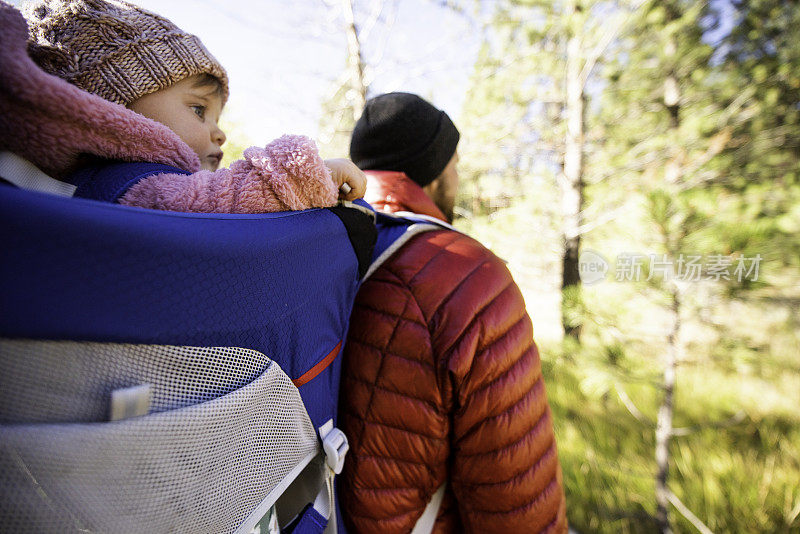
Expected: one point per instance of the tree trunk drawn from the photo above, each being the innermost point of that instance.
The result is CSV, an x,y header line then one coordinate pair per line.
x,y
664,421
672,175
571,182
357,94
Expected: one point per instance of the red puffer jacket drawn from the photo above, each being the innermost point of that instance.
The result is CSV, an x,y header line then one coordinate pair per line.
x,y
442,382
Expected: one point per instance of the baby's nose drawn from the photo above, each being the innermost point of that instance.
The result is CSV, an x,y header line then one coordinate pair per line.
x,y
218,136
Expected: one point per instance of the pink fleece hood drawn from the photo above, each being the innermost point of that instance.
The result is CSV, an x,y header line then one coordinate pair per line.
x,y
50,123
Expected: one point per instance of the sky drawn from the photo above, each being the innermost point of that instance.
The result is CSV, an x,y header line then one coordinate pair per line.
x,y
283,56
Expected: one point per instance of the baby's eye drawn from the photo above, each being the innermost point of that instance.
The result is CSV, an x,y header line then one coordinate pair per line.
x,y
200,111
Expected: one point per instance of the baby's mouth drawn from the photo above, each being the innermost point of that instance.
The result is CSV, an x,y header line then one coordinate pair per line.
x,y
214,159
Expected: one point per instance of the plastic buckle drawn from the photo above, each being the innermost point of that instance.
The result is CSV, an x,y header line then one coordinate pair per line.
x,y
335,445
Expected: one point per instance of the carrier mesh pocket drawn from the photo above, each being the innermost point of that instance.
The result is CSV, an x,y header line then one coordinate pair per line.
x,y
226,426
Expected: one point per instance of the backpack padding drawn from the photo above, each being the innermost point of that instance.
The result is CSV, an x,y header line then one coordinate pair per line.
x,y
282,283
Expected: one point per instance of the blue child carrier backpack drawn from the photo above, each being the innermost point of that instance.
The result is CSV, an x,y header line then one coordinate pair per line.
x,y
173,372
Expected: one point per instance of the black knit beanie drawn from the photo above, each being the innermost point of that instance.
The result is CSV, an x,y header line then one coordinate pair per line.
x,y
402,132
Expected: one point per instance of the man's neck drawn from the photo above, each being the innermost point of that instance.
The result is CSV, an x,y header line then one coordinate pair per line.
x,y
394,191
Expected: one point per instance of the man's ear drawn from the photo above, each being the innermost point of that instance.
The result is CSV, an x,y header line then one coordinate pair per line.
x,y
432,188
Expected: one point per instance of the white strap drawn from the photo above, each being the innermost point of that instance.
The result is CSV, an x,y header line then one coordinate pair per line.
x,y
414,229
269,501
359,207
26,175
335,446
428,518
428,218
422,223
324,502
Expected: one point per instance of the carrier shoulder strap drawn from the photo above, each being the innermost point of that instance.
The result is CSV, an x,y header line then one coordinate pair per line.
x,y
109,180
427,520
395,230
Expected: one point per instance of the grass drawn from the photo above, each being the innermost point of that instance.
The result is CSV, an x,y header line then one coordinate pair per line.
x,y
738,392
737,468
738,473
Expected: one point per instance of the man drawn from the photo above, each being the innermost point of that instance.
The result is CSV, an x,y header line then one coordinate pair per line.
x,y
442,384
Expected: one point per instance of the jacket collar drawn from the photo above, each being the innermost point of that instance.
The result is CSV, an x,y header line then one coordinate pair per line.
x,y
393,191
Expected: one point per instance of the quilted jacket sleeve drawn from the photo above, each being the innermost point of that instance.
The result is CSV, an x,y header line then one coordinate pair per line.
x,y
448,388
287,174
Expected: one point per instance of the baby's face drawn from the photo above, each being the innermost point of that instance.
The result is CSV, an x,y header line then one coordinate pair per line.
x,y
191,109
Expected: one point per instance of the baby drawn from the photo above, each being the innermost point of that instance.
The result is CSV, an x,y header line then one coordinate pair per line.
x,y
142,61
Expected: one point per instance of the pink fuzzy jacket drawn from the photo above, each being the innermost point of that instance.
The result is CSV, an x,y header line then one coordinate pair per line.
x,y
51,123
287,174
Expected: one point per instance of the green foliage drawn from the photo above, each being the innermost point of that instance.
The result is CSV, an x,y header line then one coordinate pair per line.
x,y
762,163
713,172
737,467
512,122
336,124
573,309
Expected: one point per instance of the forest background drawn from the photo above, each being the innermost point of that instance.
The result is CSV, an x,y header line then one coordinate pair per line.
x,y
637,164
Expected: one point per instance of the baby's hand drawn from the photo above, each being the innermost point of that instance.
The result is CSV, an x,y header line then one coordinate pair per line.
x,y
344,171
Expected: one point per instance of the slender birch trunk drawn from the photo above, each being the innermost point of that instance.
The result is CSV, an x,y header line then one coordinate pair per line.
x,y
665,412
672,175
571,182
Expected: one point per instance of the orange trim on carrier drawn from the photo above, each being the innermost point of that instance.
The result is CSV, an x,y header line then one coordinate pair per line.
x,y
317,369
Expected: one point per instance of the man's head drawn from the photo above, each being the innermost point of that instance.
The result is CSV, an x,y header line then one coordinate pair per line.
x,y
402,132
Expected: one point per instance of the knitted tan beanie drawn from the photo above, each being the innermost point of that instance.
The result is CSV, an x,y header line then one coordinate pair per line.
x,y
114,49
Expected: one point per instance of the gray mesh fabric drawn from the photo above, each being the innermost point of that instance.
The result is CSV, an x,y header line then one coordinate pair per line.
x,y
226,426
64,381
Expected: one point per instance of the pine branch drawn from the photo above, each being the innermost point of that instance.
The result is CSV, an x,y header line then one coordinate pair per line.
x,y
685,512
735,419
628,403
380,49
601,220
456,8
609,35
